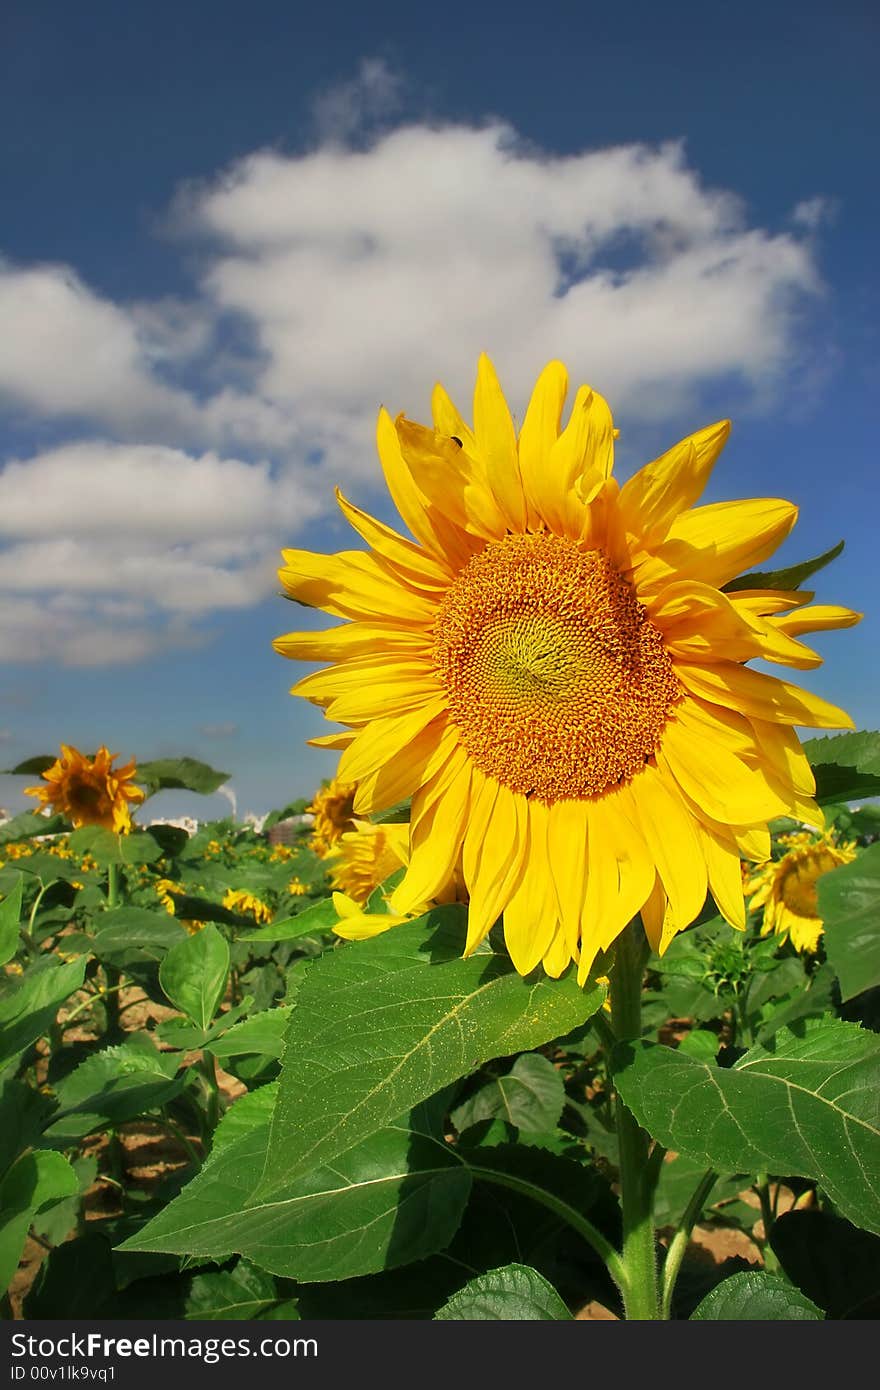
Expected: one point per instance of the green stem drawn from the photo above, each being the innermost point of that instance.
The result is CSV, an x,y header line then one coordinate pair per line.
x,y
175,1129
641,1299
679,1243
573,1218
87,1003
112,885
208,1068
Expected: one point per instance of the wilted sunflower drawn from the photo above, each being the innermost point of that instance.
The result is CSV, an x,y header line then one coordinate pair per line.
x,y
552,672
787,889
333,810
364,857
90,791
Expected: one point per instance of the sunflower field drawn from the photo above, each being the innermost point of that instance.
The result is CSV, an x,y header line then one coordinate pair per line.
x,y
559,999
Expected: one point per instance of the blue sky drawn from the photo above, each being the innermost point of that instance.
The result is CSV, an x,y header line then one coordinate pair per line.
x,y
231,232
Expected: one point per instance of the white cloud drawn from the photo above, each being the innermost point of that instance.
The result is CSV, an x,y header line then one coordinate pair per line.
x,y
65,351
332,281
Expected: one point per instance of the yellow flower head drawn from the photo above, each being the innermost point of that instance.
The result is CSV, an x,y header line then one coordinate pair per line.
x,y
366,856
553,671
786,888
278,854
164,888
239,900
333,811
90,790
296,888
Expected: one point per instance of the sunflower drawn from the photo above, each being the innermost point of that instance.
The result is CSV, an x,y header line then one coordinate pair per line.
x,y
787,889
333,810
90,790
241,901
553,672
366,856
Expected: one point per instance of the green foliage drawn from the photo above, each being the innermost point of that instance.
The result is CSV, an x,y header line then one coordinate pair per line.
x,y
847,766
10,915
790,578
849,904
805,1103
193,974
396,1018
514,1292
179,774
756,1297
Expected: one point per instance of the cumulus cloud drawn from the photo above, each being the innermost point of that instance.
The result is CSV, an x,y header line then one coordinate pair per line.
x,y
331,281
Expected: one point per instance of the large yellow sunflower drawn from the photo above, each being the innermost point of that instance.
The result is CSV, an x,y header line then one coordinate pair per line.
x,y
90,790
786,888
551,671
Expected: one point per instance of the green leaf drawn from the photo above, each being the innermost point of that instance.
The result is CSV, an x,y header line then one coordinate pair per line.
x,y
813,1000
75,1281
392,1020
249,1112
28,824
514,1293
396,1197
106,847
756,1297
136,936
849,905
239,1293
193,974
262,1034
32,767
179,774
10,916
117,1084
700,1042
23,1113
55,1224
831,1261
790,578
31,1184
530,1096
28,1010
804,1104
320,916
847,766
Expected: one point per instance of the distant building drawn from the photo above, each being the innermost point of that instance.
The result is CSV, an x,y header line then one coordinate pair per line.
x,y
287,832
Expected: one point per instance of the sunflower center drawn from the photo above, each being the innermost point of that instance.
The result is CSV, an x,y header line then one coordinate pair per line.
x,y
86,796
559,684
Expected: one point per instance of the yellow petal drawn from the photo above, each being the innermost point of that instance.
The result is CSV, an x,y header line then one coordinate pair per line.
x,y
760,696
531,914
352,640
540,430
494,856
496,444
669,833
714,778
353,584
652,499
567,847
418,565
385,739
714,543
820,617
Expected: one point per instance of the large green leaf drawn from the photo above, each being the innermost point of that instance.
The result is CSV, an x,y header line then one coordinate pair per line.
x,y
790,578
514,1293
317,917
10,916
262,1034
136,936
805,1104
379,1025
138,847
28,1009
396,1197
849,905
193,974
183,774
847,766
113,1086
28,824
756,1297
530,1096
31,1184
